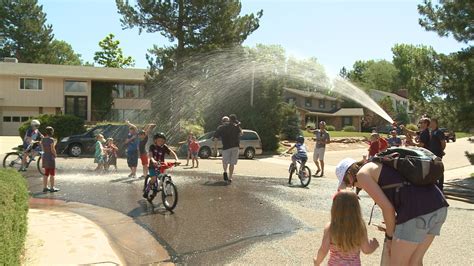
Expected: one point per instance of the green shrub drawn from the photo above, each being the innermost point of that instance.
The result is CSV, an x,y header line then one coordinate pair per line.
x,y
13,216
64,125
330,128
412,127
349,129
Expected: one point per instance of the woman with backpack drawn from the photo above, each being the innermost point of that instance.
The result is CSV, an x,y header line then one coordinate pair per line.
x,y
413,214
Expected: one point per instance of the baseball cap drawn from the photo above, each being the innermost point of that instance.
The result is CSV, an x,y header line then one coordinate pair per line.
x,y
341,169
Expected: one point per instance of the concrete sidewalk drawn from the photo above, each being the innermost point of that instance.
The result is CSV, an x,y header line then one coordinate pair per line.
x,y
74,233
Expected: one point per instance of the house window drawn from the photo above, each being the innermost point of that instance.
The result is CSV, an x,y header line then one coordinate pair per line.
x,y
31,84
128,91
16,119
307,102
24,118
346,121
333,105
291,101
322,104
7,119
75,86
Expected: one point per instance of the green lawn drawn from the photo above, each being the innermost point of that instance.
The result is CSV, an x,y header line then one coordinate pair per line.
x,y
339,134
463,135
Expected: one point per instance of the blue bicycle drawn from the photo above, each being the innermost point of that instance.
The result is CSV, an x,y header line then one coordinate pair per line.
x,y
14,159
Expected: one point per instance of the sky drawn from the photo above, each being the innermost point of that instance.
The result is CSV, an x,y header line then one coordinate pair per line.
x,y
336,32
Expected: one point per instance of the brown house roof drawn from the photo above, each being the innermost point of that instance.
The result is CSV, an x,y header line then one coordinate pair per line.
x,y
72,72
310,94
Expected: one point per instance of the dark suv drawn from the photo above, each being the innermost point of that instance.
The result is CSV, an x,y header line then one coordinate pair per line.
x,y
448,134
84,144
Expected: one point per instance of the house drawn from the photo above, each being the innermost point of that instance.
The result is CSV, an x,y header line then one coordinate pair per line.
x,y
399,100
315,107
28,90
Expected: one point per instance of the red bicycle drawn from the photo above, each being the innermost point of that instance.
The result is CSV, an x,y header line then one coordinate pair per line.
x,y
163,183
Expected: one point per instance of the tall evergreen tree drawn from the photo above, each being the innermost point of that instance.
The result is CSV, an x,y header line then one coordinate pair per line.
x,y
24,33
194,25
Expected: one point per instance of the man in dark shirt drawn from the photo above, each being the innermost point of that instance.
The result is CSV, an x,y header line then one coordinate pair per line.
x,y
424,139
229,133
437,144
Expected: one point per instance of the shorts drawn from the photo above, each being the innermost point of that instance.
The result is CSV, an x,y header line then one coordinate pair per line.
x,y
152,171
132,159
144,159
416,229
295,157
49,171
319,154
230,156
194,154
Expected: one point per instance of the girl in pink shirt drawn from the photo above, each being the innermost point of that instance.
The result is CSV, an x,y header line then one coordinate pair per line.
x,y
346,235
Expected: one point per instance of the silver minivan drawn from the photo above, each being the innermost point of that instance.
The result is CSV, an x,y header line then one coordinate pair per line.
x,y
250,145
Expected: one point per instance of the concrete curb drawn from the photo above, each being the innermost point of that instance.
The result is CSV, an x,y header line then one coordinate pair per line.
x,y
132,243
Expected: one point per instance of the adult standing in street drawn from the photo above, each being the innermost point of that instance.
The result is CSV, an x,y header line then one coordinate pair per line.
x,y
322,138
229,133
437,144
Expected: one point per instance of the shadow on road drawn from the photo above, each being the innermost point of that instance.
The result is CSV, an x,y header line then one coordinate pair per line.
x,y
460,189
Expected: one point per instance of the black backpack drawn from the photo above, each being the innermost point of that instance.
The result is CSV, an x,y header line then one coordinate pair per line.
x,y
418,166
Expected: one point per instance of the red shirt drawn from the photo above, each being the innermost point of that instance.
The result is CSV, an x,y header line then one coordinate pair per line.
x,y
194,146
374,148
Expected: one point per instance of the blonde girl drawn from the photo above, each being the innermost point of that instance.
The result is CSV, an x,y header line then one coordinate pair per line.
x,y
99,156
346,235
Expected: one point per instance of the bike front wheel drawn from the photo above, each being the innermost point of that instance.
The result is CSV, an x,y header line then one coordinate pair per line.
x,y
12,160
305,176
169,195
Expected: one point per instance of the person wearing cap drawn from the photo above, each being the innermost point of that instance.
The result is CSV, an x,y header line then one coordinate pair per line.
x,y
322,138
229,133
394,140
410,228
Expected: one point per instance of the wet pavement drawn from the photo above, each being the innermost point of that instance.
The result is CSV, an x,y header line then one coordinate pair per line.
x,y
210,214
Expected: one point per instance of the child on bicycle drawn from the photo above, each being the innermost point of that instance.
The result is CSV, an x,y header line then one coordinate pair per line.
x,y
156,153
301,152
48,160
346,235
30,142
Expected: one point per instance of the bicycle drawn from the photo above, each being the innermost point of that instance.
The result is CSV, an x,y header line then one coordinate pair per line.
x,y
303,172
14,159
169,193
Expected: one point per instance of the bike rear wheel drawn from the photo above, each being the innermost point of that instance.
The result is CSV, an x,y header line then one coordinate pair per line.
x,y
12,160
305,176
169,195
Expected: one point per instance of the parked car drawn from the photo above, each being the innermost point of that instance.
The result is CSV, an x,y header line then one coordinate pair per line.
x,y
250,145
84,144
448,134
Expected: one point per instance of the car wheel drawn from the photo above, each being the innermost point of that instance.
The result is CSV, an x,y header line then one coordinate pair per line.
x,y
75,150
204,152
249,153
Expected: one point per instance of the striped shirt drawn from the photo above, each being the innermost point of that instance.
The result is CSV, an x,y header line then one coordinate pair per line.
x,y
339,258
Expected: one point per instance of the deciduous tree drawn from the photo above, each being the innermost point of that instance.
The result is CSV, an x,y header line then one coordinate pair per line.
x,y
111,54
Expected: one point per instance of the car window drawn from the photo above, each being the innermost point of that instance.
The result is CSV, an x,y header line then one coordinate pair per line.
x,y
249,136
208,135
96,131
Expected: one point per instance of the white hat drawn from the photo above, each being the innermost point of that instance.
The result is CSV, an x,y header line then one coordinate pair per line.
x,y
341,169
35,122
225,119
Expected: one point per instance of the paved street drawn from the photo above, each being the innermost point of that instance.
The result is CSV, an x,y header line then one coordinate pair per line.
x,y
258,219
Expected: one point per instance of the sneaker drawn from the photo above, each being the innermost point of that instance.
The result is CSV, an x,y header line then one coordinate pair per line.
x,y
322,174
145,195
46,189
130,175
54,189
226,178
